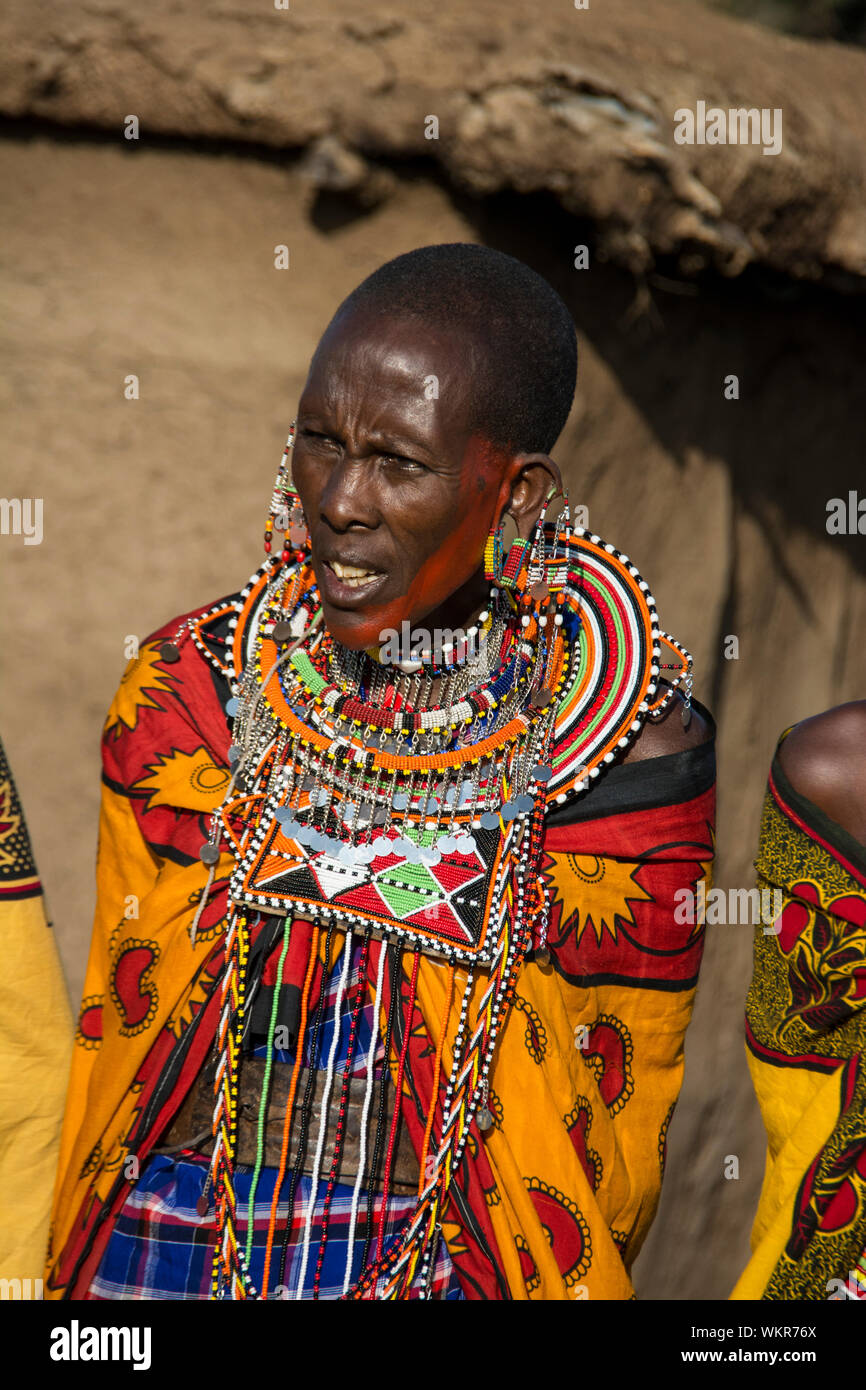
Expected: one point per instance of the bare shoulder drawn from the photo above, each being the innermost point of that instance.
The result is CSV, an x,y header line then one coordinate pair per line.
x,y
824,759
668,735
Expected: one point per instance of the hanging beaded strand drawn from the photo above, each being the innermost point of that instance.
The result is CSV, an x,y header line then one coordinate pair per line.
x,y
286,513
346,790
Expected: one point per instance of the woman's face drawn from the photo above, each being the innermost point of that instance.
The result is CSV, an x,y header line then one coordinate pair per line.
x,y
399,494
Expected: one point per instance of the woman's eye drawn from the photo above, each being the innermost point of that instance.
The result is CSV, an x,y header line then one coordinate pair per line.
x,y
402,462
318,436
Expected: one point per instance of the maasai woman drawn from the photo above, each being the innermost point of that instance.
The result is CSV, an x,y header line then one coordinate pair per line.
x,y
806,1016
401,1012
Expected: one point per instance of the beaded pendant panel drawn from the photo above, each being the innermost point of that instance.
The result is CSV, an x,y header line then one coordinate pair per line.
x,y
418,848
447,906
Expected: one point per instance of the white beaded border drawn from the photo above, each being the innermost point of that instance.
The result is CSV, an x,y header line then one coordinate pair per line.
x,y
563,782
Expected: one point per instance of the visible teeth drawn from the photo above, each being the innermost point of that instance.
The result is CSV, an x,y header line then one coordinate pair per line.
x,y
352,575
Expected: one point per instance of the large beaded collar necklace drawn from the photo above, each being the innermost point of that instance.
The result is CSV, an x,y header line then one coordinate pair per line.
x,y
394,801
379,809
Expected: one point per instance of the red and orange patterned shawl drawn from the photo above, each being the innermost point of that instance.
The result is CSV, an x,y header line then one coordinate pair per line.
x,y
556,1200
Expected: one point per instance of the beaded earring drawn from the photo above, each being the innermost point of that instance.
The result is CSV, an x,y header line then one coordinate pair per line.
x,y
493,553
286,513
547,571
504,573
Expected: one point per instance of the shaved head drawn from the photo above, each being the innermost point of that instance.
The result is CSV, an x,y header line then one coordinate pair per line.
x,y
521,343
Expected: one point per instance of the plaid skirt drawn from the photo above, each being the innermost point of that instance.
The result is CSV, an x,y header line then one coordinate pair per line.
x,y
161,1248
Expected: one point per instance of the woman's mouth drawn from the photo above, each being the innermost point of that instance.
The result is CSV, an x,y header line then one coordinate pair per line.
x,y
341,583
353,576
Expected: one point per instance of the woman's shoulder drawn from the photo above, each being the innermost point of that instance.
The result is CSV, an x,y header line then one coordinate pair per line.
x,y
824,759
668,734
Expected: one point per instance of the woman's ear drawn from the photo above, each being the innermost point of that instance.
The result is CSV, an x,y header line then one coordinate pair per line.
x,y
537,479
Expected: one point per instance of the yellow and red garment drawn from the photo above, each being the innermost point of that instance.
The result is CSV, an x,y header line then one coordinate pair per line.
x,y
556,1200
806,1048
35,1047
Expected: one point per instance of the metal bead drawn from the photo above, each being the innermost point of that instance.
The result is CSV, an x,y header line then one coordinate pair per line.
x,y
169,653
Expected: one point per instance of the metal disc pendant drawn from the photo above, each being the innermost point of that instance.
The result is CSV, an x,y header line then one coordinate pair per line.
x,y
542,956
542,773
169,653
540,698
282,632
209,854
686,714
490,820
485,1119
202,1206
232,706
539,592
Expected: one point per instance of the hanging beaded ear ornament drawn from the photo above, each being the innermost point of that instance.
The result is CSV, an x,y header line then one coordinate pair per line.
x,y
286,513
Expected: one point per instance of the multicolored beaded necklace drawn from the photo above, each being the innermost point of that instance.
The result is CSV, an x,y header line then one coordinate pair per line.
x,y
409,807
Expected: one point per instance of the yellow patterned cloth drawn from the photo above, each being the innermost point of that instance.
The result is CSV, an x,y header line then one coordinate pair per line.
x,y
35,1046
556,1201
806,1048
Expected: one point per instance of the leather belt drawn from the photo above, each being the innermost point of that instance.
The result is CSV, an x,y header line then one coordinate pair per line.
x,y
191,1128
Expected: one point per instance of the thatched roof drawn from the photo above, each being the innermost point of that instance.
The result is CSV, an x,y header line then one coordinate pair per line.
x,y
578,103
